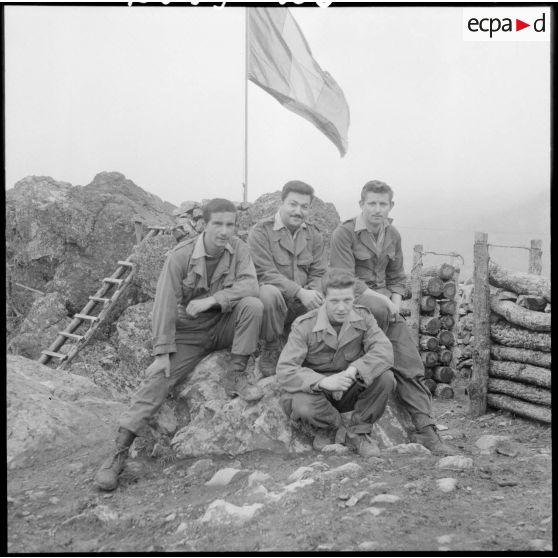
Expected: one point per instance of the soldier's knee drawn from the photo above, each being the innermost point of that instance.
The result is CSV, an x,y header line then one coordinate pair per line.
x,y
271,296
252,305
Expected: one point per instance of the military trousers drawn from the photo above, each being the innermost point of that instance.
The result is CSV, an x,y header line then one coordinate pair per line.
x,y
195,339
408,367
321,410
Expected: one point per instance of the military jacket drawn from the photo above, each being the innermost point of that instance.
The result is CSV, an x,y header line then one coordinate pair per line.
x,y
283,261
314,349
380,270
184,278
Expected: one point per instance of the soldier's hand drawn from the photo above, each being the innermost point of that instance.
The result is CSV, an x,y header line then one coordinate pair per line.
x,y
336,382
350,372
161,363
199,305
397,307
309,298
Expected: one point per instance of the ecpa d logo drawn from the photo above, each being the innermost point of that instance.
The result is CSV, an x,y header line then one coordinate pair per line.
x,y
506,24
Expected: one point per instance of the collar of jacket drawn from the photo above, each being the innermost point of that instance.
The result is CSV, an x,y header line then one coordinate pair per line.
x,y
278,223
198,262
199,248
361,225
348,330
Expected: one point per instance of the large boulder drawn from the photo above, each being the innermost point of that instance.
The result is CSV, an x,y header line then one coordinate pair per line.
x,y
220,425
52,413
322,214
66,239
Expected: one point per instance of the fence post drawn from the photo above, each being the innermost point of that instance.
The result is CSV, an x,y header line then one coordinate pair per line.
x,y
481,327
535,257
138,228
416,293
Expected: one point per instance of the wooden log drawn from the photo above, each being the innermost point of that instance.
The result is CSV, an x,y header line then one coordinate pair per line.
x,y
519,407
515,314
531,302
518,282
428,343
519,372
512,336
513,354
446,322
428,372
431,384
443,374
466,322
444,271
502,294
535,257
429,358
481,327
430,286
448,307
465,363
427,304
449,290
430,326
466,338
547,308
533,394
446,338
443,391
445,356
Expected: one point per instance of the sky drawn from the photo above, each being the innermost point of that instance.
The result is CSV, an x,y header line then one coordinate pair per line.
x,y
457,128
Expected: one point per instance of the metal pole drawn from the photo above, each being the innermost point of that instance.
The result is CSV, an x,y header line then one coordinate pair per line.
x,y
245,183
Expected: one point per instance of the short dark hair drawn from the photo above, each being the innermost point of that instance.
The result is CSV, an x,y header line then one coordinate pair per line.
x,y
338,278
217,205
299,187
378,187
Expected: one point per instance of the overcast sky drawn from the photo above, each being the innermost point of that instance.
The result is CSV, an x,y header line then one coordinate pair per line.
x,y
158,94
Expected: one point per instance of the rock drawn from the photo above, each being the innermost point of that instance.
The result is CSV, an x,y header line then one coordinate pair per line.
x,y
170,517
348,469
319,466
226,476
540,544
444,539
447,484
353,500
325,547
105,514
220,511
455,462
258,477
441,427
409,448
181,528
337,449
292,487
488,442
505,447
300,473
49,411
373,510
367,545
385,498
374,485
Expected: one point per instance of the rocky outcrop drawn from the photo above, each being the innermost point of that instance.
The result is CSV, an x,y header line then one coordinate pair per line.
x,y
53,413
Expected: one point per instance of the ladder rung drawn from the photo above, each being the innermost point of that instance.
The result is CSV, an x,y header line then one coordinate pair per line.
x,y
99,299
112,280
61,356
126,263
70,335
86,317
157,228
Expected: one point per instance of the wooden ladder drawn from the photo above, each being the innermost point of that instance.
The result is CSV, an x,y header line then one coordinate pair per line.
x,y
105,298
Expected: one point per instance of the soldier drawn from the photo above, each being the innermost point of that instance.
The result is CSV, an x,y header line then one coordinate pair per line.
x,y
206,299
289,257
370,246
337,359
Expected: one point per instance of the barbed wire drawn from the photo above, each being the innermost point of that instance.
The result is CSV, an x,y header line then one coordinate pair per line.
x,y
507,246
451,254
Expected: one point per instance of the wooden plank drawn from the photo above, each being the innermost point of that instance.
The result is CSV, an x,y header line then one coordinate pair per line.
x,y
519,372
525,356
535,257
61,356
86,317
71,335
416,293
519,407
522,317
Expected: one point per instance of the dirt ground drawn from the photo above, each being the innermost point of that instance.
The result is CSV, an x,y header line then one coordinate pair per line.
x,y
502,503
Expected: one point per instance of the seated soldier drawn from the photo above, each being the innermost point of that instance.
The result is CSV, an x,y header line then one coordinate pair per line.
x,y
370,246
289,257
336,360
206,299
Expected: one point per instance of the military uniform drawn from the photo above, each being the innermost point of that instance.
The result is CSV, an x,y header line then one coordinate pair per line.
x,y
235,324
285,263
380,268
315,349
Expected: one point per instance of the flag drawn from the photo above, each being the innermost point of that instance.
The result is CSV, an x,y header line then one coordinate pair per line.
x,y
281,63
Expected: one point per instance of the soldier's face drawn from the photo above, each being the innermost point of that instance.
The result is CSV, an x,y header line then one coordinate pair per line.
x,y
219,230
375,208
294,209
339,303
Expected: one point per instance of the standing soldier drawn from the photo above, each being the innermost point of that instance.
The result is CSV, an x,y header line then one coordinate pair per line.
x,y
289,257
370,246
336,360
205,300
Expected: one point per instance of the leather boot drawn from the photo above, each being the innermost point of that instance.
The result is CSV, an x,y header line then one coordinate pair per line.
x,y
357,437
428,436
236,382
269,357
107,475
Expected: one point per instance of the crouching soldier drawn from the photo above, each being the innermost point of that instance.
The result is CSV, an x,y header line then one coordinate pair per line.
x,y
290,262
337,359
206,299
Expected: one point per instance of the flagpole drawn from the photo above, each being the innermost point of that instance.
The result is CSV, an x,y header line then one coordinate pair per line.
x,y
245,184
